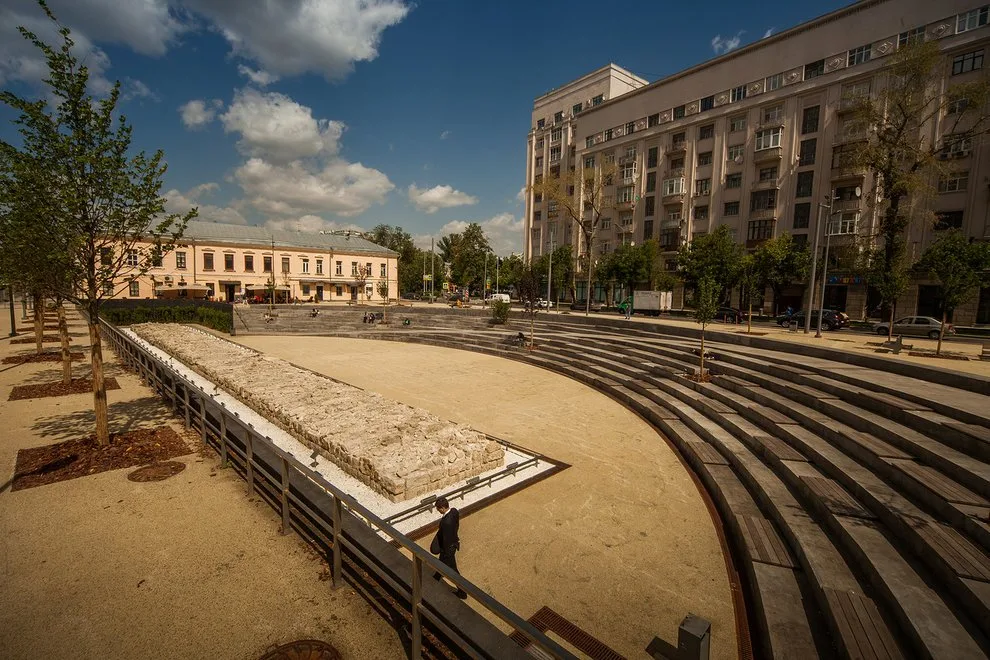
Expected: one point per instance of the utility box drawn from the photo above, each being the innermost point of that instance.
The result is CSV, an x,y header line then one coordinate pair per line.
x,y
693,641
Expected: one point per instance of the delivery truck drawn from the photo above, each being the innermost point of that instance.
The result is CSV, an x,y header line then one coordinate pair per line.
x,y
651,303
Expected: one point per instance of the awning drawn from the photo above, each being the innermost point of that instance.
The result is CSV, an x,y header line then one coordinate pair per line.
x,y
265,287
181,287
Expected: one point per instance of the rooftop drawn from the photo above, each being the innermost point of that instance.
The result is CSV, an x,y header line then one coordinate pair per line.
x,y
216,232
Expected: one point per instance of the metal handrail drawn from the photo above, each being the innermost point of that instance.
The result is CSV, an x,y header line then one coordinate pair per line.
x,y
127,347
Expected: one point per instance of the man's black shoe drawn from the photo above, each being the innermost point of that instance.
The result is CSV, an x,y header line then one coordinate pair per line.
x,y
460,593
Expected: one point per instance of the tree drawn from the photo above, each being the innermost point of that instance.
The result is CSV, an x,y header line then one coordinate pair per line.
x,y
580,197
561,271
777,262
104,200
510,270
715,257
363,273
706,301
468,251
960,267
629,266
382,288
528,288
907,128
409,263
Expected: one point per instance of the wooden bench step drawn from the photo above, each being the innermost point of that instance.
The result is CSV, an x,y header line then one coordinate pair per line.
x,y
861,628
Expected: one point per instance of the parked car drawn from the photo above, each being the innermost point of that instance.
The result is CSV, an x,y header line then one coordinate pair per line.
x,y
916,326
503,297
581,305
409,295
831,320
728,315
542,304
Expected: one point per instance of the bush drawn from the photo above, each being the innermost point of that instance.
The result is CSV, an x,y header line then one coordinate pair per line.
x,y
500,312
210,317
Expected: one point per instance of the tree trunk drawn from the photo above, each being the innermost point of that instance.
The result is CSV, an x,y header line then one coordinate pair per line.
x,y
749,316
941,332
701,372
99,387
890,326
39,322
532,326
63,333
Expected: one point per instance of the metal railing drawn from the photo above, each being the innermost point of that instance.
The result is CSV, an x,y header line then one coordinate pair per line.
x,y
330,520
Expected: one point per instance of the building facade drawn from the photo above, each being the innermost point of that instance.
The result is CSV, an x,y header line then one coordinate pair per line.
x,y
236,262
758,138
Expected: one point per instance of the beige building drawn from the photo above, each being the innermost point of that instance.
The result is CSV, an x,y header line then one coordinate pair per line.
x,y
757,138
235,262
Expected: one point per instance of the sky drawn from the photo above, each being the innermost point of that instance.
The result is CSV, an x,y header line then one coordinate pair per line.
x,y
334,114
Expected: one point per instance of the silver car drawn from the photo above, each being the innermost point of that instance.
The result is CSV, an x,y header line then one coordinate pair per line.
x,y
917,326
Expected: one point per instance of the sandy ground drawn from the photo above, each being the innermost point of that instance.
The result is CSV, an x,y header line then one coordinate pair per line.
x,y
620,543
100,567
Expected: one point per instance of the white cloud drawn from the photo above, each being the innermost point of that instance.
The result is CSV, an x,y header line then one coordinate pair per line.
x,y
504,232
198,113
290,38
135,89
521,195
720,45
179,202
311,223
276,128
444,135
338,187
768,32
433,199
260,78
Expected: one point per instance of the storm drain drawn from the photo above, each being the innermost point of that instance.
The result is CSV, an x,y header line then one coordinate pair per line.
x,y
546,620
303,649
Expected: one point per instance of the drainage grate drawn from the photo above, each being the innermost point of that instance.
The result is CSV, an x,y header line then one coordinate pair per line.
x,y
546,620
303,649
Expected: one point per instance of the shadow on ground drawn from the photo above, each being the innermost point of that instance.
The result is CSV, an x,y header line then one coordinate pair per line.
x,y
78,371
125,416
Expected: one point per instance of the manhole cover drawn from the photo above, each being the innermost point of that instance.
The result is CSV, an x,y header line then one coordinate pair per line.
x,y
304,649
157,471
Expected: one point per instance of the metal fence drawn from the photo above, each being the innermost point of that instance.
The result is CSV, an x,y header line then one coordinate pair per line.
x,y
376,559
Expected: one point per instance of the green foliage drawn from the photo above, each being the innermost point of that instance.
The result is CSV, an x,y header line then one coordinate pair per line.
x,y
511,270
218,319
706,300
500,312
715,257
628,266
382,289
959,266
776,263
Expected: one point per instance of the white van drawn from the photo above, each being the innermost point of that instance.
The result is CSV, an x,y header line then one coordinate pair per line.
x,y
503,297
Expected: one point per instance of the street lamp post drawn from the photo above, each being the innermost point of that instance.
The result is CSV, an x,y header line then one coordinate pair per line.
x,y
550,273
13,329
484,284
813,282
828,240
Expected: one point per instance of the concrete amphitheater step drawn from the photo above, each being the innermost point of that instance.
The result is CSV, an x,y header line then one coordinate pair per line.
x,y
892,566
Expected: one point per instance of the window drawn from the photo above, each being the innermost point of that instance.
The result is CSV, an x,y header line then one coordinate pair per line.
x,y
598,100
630,153
700,212
108,288
156,259
737,124
625,219
768,173
651,181
706,132
589,163
814,69
971,20
249,262
679,112
207,261
134,289
305,265
589,142
624,195
703,187
673,186
731,208
670,238
558,117
948,220
180,260
774,82
653,120
705,158
339,268
773,114
555,135
647,230
537,216
608,158
678,140
843,156
967,62
354,269
551,207
956,147
802,215
809,119
953,182
845,193
913,36
285,264
762,200
844,224
808,149
268,264
630,127
339,290
539,145
853,129
708,103
305,289
650,206
733,180
132,257
759,230
859,55
768,139
383,271
651,157
737,94
957,106
736,152
576,109
228,262
805,183
606,247
676,163
540,123
539,162
319,266
609,133
554,154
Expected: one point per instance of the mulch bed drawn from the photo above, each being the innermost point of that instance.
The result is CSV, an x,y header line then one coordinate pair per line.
x,y
31,339
48,356
39,466
47,326
58,388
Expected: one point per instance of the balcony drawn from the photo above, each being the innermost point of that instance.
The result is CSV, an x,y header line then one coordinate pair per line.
x,y
771,123
677,148
848,172
766,184
767,155
624,205
673,198
763,214
628,228
846,205
752,243
674,173
850,138
849,105
627,159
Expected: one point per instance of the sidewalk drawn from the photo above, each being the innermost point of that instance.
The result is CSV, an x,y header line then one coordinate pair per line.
x,y
189,567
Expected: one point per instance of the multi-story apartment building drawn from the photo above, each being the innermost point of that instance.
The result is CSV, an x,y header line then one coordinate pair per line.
x,y
233,262
757,138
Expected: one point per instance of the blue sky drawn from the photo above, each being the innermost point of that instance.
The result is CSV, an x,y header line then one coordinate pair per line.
x,y
320,114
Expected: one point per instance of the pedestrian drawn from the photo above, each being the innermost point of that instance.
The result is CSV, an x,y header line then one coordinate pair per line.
x,y
446,543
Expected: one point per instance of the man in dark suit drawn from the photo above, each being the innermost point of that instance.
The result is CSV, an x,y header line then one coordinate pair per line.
x,y
446,543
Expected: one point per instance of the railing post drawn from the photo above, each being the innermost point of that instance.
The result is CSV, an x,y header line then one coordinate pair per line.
x,y
223,438
285,496
185,396
336,515
417,598
175,391
248,467
202,416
